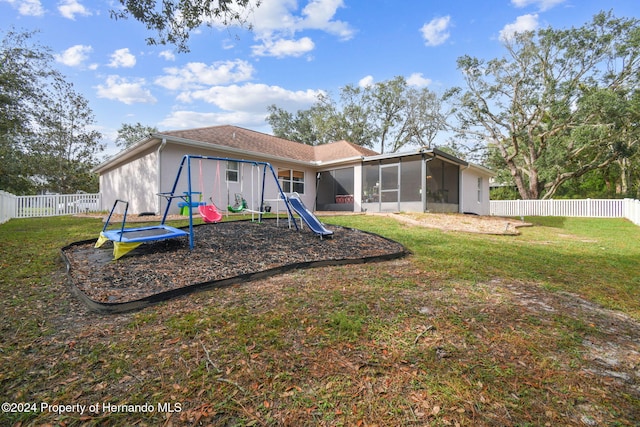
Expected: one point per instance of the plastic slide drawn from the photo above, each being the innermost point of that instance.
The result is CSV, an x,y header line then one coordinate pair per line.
x,y
307,216
210,213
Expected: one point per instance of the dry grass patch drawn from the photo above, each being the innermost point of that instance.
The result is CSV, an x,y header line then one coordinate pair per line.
x,y
461,222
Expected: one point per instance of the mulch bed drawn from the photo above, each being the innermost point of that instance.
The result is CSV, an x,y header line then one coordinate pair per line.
x,y
226,253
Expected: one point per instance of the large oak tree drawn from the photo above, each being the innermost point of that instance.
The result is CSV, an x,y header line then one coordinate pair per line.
x,y
560,104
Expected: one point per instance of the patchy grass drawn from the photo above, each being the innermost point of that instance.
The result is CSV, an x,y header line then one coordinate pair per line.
x,y
470,330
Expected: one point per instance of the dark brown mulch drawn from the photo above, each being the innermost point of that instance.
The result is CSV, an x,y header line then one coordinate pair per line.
x,y
224,253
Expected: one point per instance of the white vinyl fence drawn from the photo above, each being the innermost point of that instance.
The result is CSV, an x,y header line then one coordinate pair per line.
x,y
12,206
7,206
592,208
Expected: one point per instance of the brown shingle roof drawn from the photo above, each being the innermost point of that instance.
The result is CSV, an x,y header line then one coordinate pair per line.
x,y
257,142
340,150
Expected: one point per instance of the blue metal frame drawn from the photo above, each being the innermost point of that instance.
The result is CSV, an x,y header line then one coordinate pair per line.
x,y
120,235
186,159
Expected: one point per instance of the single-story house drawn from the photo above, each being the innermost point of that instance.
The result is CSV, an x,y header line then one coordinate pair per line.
x,y
338,176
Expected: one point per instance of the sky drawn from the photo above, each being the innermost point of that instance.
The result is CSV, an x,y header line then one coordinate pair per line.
x,y
295,51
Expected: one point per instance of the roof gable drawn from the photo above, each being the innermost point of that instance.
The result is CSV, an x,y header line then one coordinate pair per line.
x,y
340,150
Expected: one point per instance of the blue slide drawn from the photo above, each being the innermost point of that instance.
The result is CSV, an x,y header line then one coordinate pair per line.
x,y
307,216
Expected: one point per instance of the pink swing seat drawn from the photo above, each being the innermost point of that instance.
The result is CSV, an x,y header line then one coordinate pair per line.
x,y
210,213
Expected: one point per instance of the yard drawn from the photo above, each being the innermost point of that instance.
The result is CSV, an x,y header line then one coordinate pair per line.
x,y
540,328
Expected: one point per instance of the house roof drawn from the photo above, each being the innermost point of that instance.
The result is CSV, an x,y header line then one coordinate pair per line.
x,y
340,150
261,143
247,141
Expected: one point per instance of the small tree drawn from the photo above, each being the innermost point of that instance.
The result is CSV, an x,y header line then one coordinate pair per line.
x,y
129,134
46,140
66,147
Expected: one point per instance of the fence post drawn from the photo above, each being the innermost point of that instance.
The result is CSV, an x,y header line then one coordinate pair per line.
x,y
8,206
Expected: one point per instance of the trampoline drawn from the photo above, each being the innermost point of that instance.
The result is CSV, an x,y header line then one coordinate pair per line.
x,y
144,234
127,239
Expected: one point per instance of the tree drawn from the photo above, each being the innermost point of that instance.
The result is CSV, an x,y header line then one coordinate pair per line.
x,y
549,109
317,125
67,146
174,20
22,67
607,135
46,141
129,134
389,105
389,114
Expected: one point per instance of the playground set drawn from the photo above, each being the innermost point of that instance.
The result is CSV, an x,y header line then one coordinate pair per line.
x,y
126,239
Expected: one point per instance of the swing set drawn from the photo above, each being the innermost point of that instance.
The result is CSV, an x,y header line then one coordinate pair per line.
x,y
210,212
126,239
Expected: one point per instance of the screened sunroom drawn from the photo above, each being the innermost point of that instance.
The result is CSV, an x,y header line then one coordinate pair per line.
x,y
423,182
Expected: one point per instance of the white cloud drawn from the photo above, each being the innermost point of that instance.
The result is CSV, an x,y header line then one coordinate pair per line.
x,y
70,8
126,91
74,56
541,4
523,23
282,48
276,22
192,119
196,75
167,55
417,80
252,97
281,17
122,58
366,81
436,31
27,7
318,15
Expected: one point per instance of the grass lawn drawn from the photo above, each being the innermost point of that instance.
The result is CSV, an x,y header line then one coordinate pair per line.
x,y
536,329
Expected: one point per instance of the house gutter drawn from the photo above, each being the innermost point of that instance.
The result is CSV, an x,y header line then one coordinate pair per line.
x,y
320,163
163,143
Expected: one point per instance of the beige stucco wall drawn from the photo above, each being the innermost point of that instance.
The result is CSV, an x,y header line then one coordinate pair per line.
x,y
135,182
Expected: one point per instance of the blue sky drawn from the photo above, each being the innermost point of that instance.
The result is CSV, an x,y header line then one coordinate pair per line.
x,y
296,50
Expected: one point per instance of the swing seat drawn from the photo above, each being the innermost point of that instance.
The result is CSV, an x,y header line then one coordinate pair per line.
x,y
240,206
210,213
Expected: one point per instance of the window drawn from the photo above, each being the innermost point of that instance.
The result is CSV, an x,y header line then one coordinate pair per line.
x,y
291,180
480,190
233,171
